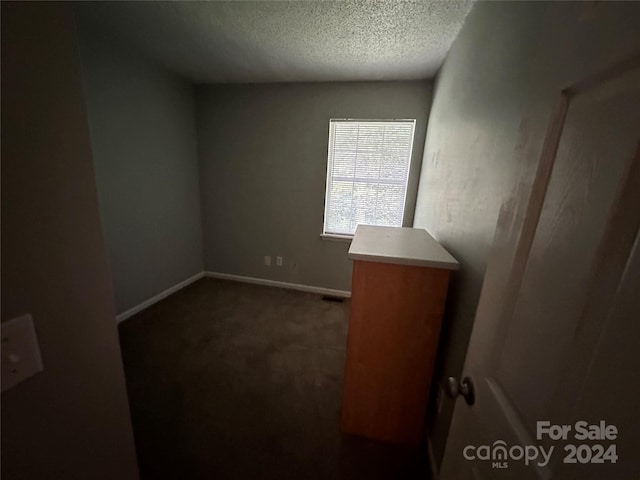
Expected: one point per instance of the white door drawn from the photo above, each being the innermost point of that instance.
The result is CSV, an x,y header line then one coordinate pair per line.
x,y
557,331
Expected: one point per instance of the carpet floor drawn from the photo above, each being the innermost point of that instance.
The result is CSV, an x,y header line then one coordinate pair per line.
x,y
235,381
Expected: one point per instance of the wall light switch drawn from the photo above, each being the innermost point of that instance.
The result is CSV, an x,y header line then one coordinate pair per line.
x,y
20,351
279,261
267,260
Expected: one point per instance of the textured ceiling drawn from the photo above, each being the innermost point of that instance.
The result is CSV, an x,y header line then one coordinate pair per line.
x,y
274,41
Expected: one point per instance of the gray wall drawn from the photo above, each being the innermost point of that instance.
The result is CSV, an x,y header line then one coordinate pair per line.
x,y
143,134
493,98
72,420
263,161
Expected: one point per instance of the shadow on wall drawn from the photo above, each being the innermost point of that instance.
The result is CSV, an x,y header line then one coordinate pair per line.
x,y
493,98
72,419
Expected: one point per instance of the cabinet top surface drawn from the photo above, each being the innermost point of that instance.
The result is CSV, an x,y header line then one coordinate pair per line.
x,y
404,246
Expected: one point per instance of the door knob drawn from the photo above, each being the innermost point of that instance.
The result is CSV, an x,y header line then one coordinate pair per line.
x,y
464,388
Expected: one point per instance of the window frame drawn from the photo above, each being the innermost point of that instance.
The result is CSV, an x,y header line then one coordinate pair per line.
x,y
349,236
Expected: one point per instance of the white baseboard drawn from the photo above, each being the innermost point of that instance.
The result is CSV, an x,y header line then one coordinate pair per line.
x,y
156,298
275,283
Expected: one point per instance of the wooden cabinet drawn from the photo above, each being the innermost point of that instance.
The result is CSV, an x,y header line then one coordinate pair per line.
x,y
399,287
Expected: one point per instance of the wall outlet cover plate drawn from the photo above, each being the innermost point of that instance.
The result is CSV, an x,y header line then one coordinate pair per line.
x,y
20,351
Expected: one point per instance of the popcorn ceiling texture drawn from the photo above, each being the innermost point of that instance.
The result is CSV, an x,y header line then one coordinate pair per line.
x,y
269,41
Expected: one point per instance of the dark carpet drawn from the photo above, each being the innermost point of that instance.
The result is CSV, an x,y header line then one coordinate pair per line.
x,y
234,381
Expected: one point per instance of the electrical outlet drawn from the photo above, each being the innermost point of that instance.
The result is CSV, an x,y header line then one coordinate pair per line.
x,y
267,260
279,261
20,351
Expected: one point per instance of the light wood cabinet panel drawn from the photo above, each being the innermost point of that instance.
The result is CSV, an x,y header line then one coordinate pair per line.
x,y
396,314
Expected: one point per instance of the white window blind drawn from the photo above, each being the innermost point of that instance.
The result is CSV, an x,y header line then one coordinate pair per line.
x,y
367,173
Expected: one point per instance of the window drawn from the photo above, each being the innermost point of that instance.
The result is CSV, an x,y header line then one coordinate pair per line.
x,y
367,173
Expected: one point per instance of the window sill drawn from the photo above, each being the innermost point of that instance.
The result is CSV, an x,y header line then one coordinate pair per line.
x,y
336,238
